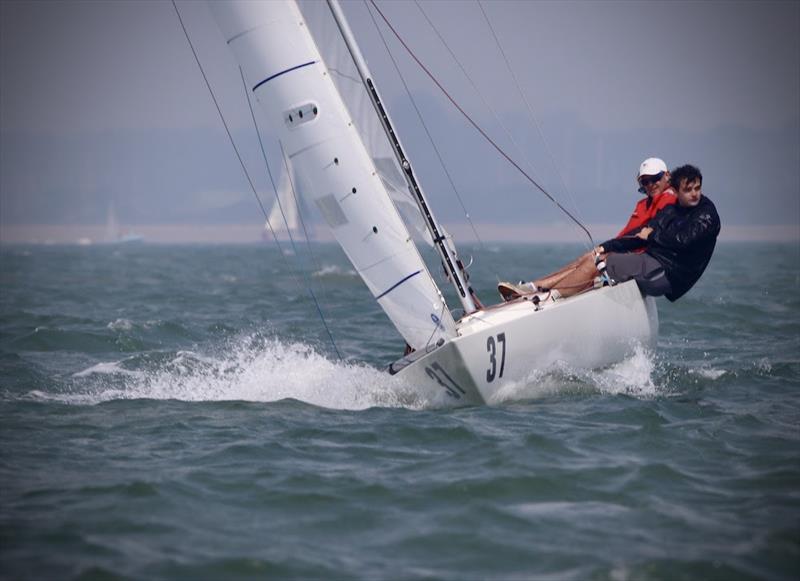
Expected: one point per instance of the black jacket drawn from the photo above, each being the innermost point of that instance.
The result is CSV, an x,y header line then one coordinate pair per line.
x,y
683,240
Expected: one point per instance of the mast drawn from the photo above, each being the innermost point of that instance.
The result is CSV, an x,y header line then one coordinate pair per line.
x,y
449,260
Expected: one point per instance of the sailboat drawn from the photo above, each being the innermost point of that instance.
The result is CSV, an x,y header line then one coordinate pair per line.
x,y
284,217
115,234
362,181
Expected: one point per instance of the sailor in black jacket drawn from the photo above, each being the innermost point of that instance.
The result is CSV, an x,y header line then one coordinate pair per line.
x,y
678,242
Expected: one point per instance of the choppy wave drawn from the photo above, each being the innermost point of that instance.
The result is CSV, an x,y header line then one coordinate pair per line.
x,y
198,422
334,271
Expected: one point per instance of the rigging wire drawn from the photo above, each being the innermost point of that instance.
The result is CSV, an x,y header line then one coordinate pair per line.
x,y
478,127
308,243
531,114
520,150
219,110
244,168
475,87
285,220
425,127
269,171
272,181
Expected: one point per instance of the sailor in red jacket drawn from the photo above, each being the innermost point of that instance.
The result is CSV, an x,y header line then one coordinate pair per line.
x,y
653,179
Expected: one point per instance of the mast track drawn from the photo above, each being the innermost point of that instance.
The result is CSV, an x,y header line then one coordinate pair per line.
x,y
437,236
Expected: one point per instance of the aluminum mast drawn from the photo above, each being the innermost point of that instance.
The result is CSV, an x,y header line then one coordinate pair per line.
x,y
450,262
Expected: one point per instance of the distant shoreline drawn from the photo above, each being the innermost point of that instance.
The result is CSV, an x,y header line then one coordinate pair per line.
x,y
252,233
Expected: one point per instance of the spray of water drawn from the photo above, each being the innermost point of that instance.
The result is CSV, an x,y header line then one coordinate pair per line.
x,y
632,376
249,369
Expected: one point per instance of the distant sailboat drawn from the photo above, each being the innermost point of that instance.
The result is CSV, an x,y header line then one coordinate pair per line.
x,y
364,186
116,235
283,221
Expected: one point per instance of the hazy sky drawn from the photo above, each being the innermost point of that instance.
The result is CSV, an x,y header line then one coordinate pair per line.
x,y
102,101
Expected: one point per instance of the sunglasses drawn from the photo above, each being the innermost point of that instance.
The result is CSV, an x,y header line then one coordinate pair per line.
x,y
645,181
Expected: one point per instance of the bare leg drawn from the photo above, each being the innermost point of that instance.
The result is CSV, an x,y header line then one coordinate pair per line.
x,y
553,279
572,274
581,277
475,299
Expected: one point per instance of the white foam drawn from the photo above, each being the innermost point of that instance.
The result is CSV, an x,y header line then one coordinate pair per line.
x,y
251,370
334,270
570,510
708,373
537,384
763,366
632,376
109,368
120,325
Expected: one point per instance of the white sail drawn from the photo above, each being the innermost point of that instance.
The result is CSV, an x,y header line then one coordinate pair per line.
x,y
114,233
112,225
344,74
301,106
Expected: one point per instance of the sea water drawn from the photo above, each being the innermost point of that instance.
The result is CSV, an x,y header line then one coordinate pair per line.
x,y
180,412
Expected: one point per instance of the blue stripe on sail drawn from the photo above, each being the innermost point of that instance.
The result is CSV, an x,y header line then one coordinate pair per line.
x,y
289,70
395,285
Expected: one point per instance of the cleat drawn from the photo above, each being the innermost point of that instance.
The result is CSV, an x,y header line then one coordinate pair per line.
x,y
554,295
542,298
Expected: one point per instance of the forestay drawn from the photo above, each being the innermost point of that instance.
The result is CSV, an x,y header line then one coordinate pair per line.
x,y
300,105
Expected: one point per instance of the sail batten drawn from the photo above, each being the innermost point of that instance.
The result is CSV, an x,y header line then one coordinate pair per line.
x,y
397,284
276,75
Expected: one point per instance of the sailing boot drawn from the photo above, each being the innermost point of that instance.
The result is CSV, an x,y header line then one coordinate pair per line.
x,y
510,291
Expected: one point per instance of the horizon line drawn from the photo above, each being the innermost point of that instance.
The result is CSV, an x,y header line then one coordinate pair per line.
x,y
87,234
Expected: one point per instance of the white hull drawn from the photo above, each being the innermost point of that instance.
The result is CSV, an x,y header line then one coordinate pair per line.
x,y
505,344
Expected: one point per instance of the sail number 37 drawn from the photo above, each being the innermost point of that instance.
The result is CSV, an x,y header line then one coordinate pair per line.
x,y
491,348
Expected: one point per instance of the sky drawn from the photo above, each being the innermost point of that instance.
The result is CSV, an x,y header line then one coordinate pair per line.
x,y
102,106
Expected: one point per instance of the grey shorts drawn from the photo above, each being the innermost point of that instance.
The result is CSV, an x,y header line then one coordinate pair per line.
x,y
643,268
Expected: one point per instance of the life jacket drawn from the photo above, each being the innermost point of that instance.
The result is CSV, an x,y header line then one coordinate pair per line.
x,y
646,210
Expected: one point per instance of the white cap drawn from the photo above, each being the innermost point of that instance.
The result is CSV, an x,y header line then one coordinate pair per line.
x,y
651,166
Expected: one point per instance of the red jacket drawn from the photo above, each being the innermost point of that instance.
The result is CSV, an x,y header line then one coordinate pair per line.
x,y
646,209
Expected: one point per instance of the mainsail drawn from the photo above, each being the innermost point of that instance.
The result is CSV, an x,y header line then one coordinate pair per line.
x,y
302,107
